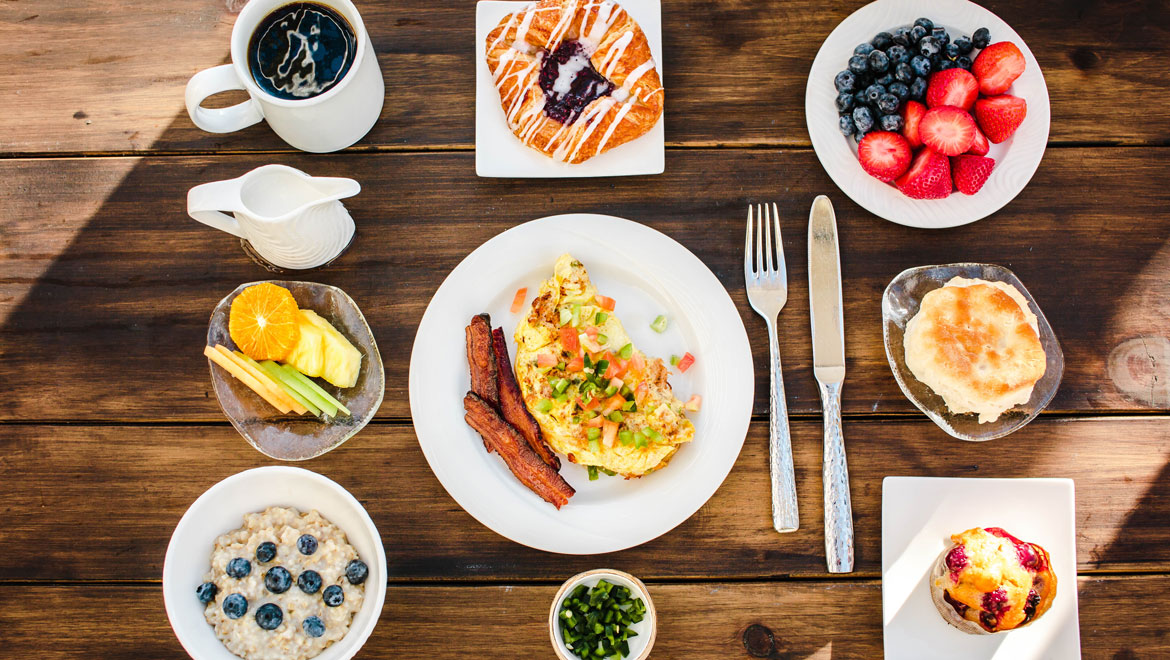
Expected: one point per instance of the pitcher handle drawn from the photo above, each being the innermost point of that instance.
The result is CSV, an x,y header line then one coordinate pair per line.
x,y
219,120
205,201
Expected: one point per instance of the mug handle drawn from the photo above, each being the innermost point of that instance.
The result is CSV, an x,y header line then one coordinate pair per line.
x,y
219,120
204,202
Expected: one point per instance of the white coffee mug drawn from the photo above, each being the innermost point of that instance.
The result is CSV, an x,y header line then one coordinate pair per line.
x,y
327,122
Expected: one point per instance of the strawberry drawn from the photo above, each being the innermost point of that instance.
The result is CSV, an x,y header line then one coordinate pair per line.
x,y
997,67
884,155
1000,116
971,172
980,146
955,87
947,130
911,115
929,176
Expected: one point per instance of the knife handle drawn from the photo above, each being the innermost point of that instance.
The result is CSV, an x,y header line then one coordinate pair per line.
x,y
835,476
785,517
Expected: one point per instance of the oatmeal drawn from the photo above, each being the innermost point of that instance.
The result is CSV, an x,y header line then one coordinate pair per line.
x,y
285,585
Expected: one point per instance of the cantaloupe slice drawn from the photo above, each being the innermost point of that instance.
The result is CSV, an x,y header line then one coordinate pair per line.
x,y
278,386
244,377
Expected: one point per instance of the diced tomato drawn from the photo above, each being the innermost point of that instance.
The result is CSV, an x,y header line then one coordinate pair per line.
x,y
576,364
608,432
569,339
518,301
640,393
591,331
596,422
605,302
545,360
616,369
685,363
637,363
694,403
612,403
593,403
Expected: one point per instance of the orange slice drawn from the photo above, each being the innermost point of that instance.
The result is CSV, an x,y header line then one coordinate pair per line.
x,y
263,322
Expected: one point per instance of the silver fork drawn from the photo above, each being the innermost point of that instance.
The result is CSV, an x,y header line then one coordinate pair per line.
x,y
767,291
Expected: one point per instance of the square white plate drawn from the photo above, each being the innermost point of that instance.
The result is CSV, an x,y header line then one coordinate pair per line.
x,y
499,153
918,516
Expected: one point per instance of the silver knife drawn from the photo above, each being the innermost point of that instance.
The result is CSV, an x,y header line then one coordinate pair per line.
x,y
828,343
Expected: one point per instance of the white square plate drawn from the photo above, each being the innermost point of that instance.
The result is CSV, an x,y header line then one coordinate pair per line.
x,y
499,153
918,516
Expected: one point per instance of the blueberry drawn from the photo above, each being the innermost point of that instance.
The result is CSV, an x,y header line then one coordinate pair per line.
x,y
309,582
900,90
874,92
882,40
925,24
898,54
277,579
859,99
951,51
845,124
265,552
901,36
903,73
964,45
863,119
235,606
891,123
269,616
941,36
887,104
844,82
206,592
929,47
918,89
356,571
859,64
844,102
920,65
333,596
885,81
963,62
944,65
307,544
863,49
981,38
314,626
917,33
878,61
239,567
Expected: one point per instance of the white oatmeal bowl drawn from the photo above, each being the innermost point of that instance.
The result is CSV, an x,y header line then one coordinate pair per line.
x,y
221,511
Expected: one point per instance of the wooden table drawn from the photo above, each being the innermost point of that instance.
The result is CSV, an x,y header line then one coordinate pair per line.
x,y
110,429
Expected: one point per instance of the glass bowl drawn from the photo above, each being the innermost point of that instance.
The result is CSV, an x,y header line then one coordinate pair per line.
x,y
292,437
900,304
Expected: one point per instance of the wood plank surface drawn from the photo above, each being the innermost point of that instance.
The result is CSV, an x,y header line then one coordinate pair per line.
x,y
100,502
735,71
1121,618
101,266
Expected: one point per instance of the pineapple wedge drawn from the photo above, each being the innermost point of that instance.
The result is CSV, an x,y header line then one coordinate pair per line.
x,y
323,352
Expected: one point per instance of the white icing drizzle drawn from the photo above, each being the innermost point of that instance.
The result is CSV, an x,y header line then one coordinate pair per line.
x,y
614,54
621,115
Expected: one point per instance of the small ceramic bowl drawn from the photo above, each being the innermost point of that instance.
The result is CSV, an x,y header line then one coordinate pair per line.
x,y
221,509
900,303
647,628
289,437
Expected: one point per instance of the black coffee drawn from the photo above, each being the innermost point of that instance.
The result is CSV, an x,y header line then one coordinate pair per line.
x,y
301,50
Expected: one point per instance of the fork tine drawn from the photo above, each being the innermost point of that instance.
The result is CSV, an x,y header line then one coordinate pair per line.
x,y
748,271
760,268
780,265
768,240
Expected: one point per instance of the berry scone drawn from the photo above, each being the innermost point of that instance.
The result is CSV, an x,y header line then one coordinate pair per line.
x,y
987,581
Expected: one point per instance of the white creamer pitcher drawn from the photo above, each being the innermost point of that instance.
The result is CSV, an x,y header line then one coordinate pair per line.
x,y
291,219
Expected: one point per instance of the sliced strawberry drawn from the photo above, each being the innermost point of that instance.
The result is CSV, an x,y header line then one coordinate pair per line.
x,y
912,114
955,87
997,67
1000,116
980,146
929,176
971,172
947,130
884,155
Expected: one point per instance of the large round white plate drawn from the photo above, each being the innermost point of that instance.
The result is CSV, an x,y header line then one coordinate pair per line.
x,y
1016,159
648,274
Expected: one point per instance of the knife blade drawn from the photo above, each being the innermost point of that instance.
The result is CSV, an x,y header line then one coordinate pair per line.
x,y
828,342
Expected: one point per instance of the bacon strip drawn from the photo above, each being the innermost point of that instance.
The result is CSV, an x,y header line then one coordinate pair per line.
x,y
482,360
512,403
513,448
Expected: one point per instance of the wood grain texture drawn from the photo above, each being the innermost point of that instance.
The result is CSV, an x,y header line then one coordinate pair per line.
x,y
735,71
1120,618
100,503
100,263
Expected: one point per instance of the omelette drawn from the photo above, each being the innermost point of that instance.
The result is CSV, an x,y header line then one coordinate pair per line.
x,y
598,400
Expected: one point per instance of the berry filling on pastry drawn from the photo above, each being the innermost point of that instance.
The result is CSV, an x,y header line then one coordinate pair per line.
x,y
569,82
959,607
956,560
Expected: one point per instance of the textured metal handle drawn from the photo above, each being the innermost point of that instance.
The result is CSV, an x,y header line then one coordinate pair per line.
x,y
785,517
835,475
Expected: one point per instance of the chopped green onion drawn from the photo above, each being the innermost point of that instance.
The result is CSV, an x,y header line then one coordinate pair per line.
x,y
626,391
595,446
588,362
609,473
592,475
562,397
600,318
674,359
615,416
593,434
600,367
652,434
565,316
659,324
626,437
640,439
602,339
544,405
560,385
576,315
627,352
629,406
561,366
610,391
